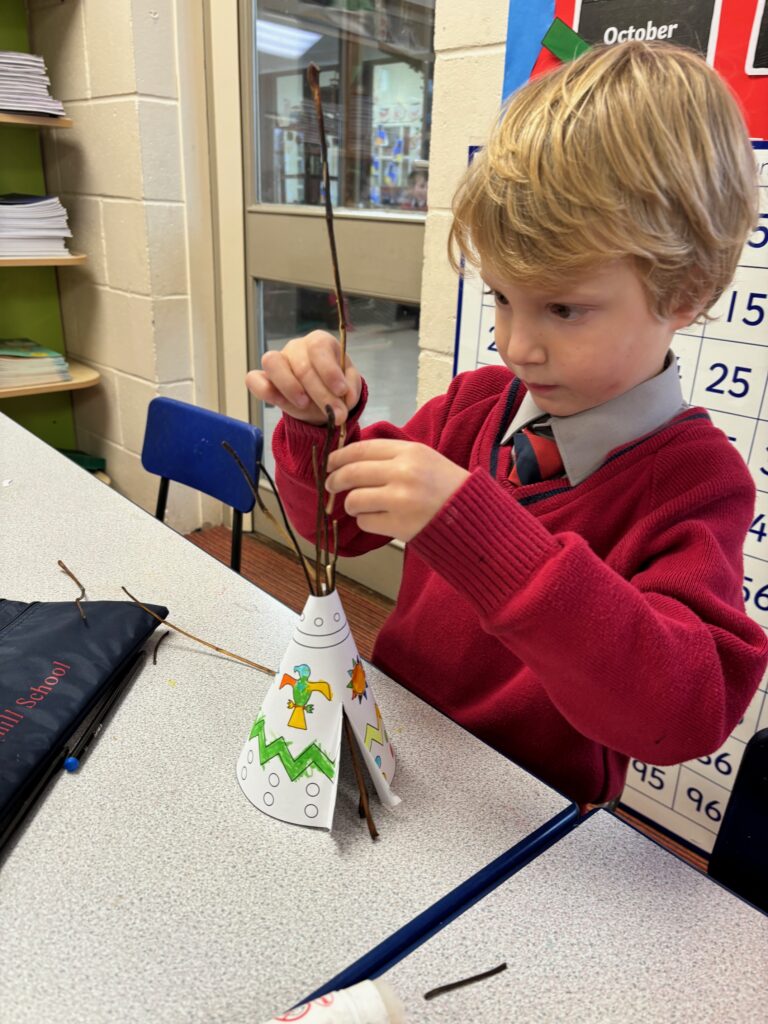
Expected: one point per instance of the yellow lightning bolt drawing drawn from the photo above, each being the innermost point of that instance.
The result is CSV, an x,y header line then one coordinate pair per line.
x,y
377,732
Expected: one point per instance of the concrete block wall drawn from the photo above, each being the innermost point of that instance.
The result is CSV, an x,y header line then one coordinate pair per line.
x,y
469,71
119,173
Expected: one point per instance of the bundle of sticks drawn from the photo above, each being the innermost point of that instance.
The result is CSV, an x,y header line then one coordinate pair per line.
x,y
320,574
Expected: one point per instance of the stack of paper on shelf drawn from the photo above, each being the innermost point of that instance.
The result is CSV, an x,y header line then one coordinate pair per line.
x,y
32,226
24,363
25,87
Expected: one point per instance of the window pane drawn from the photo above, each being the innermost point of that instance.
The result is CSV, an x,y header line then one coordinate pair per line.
x,y
376,60
382,342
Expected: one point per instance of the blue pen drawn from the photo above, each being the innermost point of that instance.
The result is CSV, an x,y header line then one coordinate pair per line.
x,y
98,718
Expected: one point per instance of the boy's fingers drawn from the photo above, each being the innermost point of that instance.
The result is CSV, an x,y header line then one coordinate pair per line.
x,y
283,378
325,363
259,385
360,451
359,474
315,387
365,501
354,387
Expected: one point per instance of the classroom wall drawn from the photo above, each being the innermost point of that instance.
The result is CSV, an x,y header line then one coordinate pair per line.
x,y
469,70
128,175
134,175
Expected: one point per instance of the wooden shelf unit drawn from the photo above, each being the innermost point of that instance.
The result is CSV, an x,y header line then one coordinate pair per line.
x,y
36,120
82,377
68,259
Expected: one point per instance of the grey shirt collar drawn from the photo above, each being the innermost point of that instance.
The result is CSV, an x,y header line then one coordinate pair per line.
x,y
585,439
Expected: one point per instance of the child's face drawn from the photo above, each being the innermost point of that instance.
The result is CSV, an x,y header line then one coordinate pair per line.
x,y
585,342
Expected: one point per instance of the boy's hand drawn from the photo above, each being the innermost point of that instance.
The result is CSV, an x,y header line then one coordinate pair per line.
x,y
305,376
395,487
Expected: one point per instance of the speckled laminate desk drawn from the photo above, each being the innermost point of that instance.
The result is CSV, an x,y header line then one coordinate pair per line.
x,y
605,927
146,887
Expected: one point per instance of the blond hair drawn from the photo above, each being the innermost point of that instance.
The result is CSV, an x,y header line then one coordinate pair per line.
x,y
637,150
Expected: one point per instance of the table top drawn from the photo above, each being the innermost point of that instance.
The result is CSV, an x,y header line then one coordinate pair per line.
x,y
147,886
605,926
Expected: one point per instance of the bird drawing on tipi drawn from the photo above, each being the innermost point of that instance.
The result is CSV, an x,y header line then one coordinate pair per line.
x,y
302,691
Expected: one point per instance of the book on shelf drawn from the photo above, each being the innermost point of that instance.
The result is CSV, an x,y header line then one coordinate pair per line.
x,y
32,226
24,362
25,87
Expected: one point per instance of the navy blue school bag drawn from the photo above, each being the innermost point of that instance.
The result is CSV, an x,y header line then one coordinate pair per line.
x,y
56,669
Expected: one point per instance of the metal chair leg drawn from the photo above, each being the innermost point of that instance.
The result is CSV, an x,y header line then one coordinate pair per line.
x,y
237,539
162,498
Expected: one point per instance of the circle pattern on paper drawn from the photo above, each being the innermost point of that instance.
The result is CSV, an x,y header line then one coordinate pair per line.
x,y
336,617
269,799
274,780
318,621
312,789
311,810
243,772
250,757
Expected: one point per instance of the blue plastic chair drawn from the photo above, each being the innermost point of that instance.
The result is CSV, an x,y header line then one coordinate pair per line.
x,y
182,442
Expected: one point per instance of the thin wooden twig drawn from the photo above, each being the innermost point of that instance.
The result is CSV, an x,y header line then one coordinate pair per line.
x,y
304,562
82,589
335,552
319,519
157,645
286,530
213,647
464,981
360,780
313,77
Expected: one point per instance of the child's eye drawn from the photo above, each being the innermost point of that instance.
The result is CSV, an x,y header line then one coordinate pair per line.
x,y
499,298
565,312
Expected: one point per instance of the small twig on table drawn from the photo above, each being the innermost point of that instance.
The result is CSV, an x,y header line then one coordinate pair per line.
x,y
464,981
213,647
157,645
360,780
82,588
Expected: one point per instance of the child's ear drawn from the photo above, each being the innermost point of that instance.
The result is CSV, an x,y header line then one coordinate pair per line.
x,y
684,315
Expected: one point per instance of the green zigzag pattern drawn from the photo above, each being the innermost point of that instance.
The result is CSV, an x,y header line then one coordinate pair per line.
x,y
311,757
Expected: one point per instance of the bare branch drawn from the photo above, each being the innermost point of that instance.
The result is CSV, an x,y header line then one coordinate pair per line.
x,y
286,531
364,805
82,589
213,647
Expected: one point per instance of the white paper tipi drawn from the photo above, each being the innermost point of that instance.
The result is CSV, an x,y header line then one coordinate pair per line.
x,y
289,766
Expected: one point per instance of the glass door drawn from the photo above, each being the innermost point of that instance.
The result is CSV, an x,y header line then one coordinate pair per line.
x,y
376,61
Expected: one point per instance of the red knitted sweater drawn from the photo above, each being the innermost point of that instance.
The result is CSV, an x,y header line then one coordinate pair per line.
x,y
569,627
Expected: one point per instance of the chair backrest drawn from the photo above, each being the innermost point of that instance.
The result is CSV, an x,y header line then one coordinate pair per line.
x,y
182,442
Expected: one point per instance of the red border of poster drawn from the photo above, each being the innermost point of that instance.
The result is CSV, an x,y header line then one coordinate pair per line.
x,y
733,38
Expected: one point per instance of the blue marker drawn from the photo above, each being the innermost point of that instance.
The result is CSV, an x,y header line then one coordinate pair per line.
x,y
99,715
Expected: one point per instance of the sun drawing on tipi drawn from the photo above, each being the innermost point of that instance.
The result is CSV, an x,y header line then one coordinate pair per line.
x,y
357,683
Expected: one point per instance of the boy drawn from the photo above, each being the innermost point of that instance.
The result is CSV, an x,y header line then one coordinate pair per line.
x,y
576,613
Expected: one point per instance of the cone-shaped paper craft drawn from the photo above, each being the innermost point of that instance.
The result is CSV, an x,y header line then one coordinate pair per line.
x,y
289,766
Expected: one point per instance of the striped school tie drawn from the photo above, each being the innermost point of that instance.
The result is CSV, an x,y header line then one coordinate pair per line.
x,y
536,456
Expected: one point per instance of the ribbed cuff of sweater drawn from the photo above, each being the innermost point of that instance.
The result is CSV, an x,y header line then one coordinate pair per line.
x,y
484,543
300,437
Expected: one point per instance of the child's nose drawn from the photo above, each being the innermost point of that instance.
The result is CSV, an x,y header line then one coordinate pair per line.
x,y
519,344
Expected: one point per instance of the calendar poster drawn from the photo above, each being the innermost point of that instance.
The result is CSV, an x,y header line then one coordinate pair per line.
x,y
723,364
